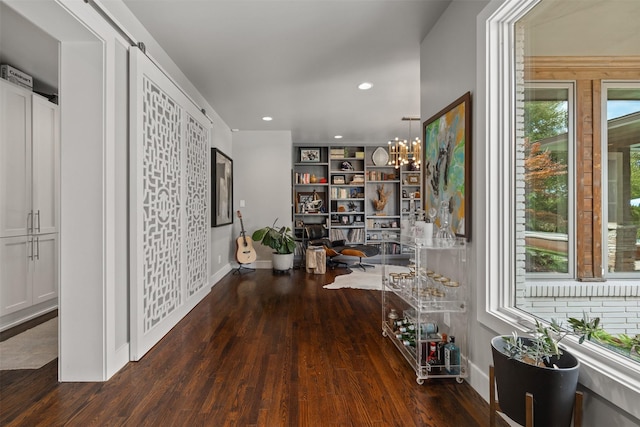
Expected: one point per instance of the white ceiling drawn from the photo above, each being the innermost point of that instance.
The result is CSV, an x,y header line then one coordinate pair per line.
x,y
300,61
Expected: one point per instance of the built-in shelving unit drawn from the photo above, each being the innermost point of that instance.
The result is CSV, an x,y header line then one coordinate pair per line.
x,y
353,182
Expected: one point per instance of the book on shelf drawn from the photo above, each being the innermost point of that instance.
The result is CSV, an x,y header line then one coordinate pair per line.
x,y
302,178
337,153
356,235
336,234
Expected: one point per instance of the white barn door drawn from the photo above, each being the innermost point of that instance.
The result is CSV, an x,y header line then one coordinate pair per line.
x,y
169,174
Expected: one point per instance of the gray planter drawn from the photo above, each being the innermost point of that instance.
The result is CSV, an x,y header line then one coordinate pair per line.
x,y
553,389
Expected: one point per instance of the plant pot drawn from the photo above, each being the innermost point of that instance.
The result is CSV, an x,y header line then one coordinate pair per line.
x,y
553,389
282,262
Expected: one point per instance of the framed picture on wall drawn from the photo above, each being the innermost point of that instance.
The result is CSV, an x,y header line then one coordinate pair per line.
x,y
447,163
221,188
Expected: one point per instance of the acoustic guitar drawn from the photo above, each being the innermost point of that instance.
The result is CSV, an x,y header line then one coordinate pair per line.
x,y
245,254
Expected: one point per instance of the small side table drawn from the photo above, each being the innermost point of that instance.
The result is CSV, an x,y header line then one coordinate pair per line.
x,y
316,260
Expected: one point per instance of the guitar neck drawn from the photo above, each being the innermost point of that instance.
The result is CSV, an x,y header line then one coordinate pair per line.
x,y
242,233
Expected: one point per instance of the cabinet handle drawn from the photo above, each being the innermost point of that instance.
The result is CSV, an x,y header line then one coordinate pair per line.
x,y
38,216
37,255
30,222
30,253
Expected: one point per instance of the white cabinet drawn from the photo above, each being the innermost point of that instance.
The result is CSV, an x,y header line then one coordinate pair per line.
x,y
29,182
15,158
44,268
45,173
29,271
15,259
29,144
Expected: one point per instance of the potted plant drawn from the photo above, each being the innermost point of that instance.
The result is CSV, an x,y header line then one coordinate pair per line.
x,y
282,243
628,346
538,366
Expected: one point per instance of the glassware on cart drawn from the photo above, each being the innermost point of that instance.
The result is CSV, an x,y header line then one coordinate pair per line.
x,y
433,213
444,235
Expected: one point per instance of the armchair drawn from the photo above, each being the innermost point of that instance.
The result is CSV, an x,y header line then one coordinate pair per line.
x,y
317,235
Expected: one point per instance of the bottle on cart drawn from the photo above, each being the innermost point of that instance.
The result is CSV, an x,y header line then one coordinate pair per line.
x,y
403,322
393,319
441,345
410,327
407,339
452,357
432,357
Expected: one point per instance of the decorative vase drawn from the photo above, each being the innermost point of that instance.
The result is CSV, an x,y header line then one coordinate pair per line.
x,y
313,179
553,389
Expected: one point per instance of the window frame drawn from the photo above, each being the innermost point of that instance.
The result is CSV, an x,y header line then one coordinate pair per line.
x,y
604,86
569,86
611,376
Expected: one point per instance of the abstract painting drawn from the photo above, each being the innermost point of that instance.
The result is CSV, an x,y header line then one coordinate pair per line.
x,y
447,163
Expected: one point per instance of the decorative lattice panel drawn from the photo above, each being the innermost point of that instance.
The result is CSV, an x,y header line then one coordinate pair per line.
x,y
197,145
161,204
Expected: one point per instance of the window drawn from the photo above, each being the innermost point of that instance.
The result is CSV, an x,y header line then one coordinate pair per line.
x,y
621,140
547,174
575,227
512,73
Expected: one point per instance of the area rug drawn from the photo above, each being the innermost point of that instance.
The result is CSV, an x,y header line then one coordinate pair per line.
x,y
31,349
370,279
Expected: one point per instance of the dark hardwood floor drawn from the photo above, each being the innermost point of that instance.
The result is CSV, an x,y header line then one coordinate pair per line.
x,y
260,350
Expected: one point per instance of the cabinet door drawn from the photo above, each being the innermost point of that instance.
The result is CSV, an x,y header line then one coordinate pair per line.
x,y
45,267
15,160
15,285
45,165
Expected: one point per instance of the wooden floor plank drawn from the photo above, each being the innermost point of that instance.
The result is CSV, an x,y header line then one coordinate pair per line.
x,y
259,350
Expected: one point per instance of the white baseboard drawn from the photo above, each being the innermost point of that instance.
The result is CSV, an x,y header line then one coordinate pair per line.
x,y
215,277
10,320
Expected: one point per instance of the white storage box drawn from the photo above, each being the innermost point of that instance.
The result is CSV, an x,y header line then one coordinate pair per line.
x,y
16,76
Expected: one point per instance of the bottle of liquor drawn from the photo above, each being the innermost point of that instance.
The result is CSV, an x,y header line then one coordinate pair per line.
x,y
407,328
452,357
441,345
403,322
406,338
432,358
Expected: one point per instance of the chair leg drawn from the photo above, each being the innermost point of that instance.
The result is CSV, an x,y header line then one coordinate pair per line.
x,y
333,263
362,265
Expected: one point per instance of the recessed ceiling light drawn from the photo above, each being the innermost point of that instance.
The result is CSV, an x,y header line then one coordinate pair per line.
x,y
267,118
365,86
235,130
338,137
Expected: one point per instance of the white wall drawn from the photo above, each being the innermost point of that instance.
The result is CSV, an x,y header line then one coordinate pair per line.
x,y
262,172
449,69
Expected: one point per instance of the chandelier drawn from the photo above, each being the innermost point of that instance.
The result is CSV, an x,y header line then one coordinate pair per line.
x,y
403,152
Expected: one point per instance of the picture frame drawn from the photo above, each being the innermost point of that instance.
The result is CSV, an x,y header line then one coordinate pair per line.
x,y
310,155
447,163
302,197
413,179
338,179
221,188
